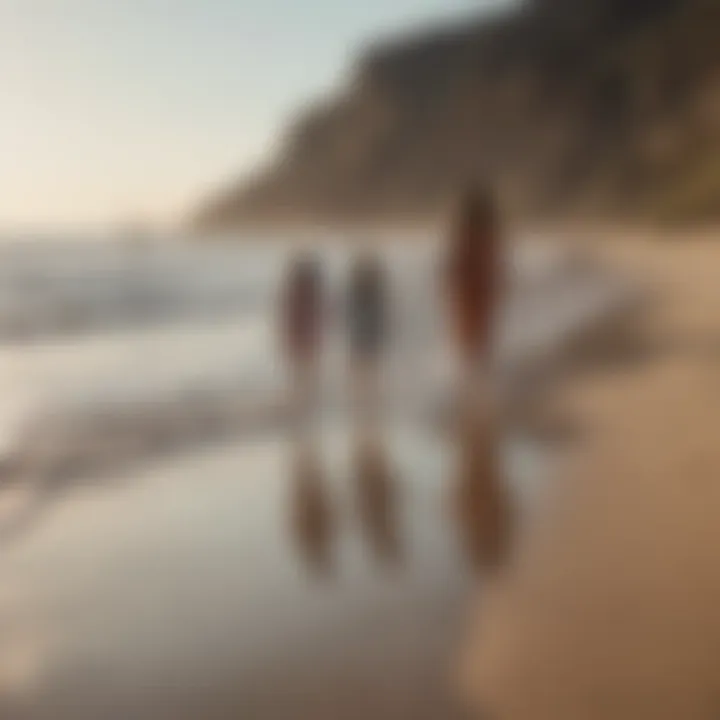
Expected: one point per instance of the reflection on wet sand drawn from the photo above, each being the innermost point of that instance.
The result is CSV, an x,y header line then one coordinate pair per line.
x,y
480,505
377,499
311,513
178,595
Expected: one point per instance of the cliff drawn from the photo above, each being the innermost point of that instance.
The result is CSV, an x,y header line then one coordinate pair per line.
x,y
571,107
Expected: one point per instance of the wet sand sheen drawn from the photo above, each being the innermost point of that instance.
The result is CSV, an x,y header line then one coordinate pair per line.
x,y
187,585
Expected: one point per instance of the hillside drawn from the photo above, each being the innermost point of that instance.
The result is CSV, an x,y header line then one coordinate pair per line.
x,y
572,107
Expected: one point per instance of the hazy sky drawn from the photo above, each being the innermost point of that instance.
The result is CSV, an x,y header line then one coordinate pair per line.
x,y
112,110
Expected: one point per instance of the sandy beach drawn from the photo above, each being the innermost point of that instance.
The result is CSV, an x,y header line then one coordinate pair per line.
x,y
611,608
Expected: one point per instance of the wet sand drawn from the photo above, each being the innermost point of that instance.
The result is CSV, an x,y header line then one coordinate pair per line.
x,y
612,607
195,589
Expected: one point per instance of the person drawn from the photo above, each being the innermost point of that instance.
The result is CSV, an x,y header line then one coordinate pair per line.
x,y
301,325
367,329
471,281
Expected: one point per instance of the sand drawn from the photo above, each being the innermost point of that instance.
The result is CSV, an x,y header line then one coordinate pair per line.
x,y
611,608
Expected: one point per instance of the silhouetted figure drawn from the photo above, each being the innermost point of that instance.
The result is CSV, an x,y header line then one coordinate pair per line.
x,y
481,506
472,271
311,513
367,329
377,501
301,327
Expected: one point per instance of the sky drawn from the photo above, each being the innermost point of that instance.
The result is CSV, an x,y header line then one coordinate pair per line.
x,y
115,111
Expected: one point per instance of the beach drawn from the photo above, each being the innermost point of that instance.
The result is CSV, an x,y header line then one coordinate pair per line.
x,y
610,609
159,558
